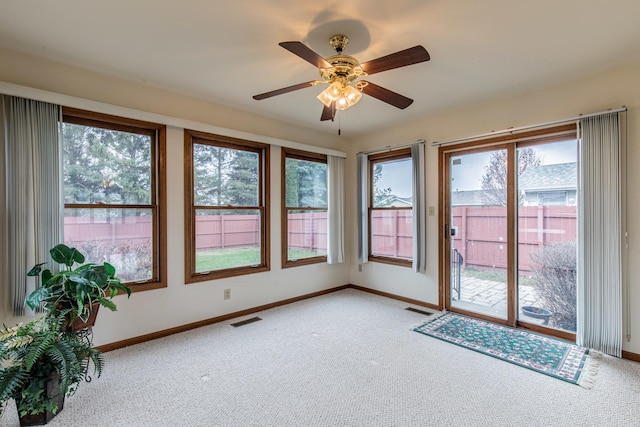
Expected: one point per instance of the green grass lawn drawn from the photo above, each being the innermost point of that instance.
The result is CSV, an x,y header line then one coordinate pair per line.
x,y
217,259
304,253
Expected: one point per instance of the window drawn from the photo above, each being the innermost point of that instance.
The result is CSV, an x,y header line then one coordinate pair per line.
x,y
114,187
304,207
226,206
390,207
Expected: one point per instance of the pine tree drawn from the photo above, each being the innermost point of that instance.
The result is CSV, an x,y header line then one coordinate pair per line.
x,y
241,187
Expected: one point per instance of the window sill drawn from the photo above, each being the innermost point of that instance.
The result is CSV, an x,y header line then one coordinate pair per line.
x,y
304,261
392,261
221,274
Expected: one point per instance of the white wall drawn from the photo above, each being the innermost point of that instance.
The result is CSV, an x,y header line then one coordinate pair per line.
x,y
607,90
179,304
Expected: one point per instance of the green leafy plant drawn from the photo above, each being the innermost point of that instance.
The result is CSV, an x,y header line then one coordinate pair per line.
x,y
74,291
34,353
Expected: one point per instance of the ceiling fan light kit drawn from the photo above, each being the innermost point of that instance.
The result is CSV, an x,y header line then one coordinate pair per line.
x,y
341,72
344,96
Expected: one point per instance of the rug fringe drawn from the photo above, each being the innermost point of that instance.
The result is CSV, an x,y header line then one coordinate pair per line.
x,y
590,370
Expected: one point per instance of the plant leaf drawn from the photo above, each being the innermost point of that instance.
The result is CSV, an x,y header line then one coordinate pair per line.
x,y
111,270
40,344
77,256
80,280
116,286
46,276
97,274
36,297
62,254
12,381
36,269
108,304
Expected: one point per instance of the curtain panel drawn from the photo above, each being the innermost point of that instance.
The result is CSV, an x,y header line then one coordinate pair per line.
x,y
599,293
363,208
32,203
419,209
335,226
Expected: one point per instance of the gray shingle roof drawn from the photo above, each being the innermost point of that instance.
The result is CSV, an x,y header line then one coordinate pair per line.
x,y
549,177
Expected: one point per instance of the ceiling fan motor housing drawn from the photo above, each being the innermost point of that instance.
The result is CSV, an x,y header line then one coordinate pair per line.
x,y
344,68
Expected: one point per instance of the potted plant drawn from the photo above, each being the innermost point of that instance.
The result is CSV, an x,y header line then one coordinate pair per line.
x,y
40,364
80,291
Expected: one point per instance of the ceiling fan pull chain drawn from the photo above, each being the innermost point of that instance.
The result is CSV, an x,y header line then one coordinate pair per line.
x,y
339,124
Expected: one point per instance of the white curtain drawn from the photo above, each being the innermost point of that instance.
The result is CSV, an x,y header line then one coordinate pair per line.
x,y
363,208
4,229
335,225
599,305
419,209
32,189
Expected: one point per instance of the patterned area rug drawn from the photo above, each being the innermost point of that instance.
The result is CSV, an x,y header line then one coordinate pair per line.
x,y
550,356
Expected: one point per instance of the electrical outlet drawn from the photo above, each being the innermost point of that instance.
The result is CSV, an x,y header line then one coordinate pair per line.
x,y
227,294
360,268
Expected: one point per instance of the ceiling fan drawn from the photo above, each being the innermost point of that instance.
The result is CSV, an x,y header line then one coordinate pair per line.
x,y
343,72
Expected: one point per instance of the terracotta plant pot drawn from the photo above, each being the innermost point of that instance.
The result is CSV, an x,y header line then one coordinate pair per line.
x,y
79,324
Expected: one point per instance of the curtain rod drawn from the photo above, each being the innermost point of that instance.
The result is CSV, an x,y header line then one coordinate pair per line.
x,y
393,147
523,128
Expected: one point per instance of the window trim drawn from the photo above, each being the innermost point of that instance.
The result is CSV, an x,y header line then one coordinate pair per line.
x,y
284,238
400,154
158,132
192,137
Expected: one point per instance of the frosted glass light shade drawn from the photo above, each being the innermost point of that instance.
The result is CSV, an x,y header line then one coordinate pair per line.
x,y
344,96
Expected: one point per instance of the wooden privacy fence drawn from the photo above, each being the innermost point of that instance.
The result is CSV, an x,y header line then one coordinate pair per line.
x,y
306,230
392,233
112,231
227,231
481,233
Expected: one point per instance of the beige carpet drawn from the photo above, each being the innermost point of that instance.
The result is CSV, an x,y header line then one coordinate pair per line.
x,y
343,359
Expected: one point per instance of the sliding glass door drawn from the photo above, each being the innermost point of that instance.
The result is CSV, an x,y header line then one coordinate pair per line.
x,y
509,231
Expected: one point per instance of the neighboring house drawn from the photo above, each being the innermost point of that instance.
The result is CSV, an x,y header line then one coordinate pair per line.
x,y
549,185
394,201
545,185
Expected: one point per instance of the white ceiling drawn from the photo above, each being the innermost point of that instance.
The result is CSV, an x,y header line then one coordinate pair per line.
x,y
226,51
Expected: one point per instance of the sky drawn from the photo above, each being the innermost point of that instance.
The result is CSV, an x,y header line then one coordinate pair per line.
x,y
467,175
397,176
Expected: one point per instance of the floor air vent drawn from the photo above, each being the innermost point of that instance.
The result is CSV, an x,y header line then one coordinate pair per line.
x,y
246,322
416,310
